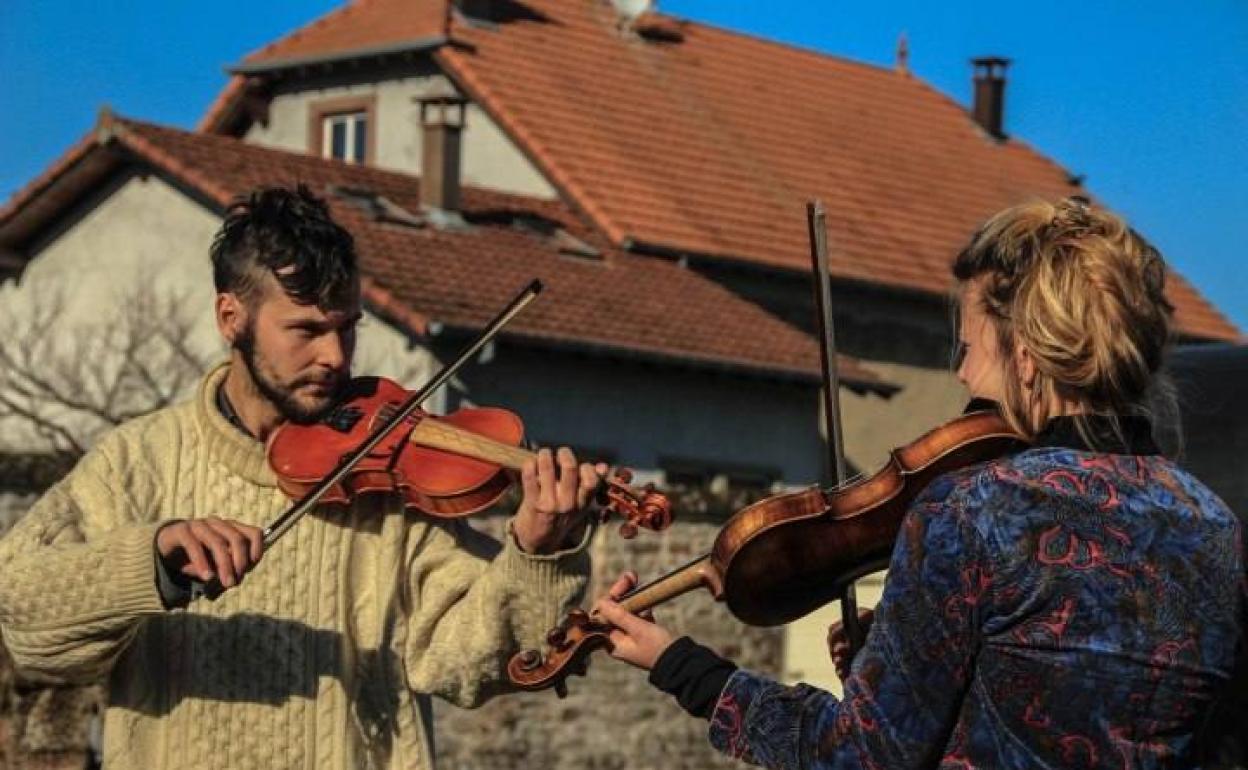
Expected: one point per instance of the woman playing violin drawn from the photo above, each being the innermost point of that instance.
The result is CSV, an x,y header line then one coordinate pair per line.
x,y
1077,604
324,651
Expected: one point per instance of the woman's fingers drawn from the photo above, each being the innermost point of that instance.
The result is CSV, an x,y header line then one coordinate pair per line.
x,y
623,584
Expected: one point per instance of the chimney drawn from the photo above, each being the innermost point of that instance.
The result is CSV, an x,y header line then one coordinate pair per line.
x,y
989,107
443,120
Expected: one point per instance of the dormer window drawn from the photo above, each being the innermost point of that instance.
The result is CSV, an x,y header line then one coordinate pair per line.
x,y
343,129
345,137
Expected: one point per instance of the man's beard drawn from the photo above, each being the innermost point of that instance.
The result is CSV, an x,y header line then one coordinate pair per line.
x,y
282,395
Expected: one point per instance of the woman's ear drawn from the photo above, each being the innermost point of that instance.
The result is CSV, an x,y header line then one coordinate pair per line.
x,y
1025,365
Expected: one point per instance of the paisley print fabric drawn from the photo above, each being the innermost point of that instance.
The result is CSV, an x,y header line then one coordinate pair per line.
x,y
1054,609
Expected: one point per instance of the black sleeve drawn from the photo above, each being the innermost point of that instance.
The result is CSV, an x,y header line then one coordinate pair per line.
x,y
174,587
692,674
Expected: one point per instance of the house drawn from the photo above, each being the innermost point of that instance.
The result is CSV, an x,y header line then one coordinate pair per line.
x,y
689,143
653,173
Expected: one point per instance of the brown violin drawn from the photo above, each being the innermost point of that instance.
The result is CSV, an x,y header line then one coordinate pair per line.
x,y
784,557
446,466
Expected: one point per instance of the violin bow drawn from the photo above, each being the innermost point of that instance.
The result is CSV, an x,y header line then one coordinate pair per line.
x,y
816,221
213,588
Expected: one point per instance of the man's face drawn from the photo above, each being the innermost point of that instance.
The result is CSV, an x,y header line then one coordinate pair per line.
x,y
299,356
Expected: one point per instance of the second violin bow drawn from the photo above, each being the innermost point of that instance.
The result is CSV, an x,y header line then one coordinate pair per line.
x,y
816,221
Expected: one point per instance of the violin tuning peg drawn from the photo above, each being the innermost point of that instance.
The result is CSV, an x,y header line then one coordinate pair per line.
x,y
648,488
628,530
561,689
556,637
530,659
577,616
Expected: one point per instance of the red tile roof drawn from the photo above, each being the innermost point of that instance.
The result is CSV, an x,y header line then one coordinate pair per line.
x,y
617,303
224,107
706,141
357,26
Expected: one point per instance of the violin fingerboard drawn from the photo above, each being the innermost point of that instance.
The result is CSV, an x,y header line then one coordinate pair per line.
x,y
436,434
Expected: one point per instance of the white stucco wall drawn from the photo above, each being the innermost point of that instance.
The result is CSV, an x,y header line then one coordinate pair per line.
x,y
144,231
148,232
490,159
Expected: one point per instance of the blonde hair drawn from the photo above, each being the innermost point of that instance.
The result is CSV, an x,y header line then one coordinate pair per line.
x,y
1083,293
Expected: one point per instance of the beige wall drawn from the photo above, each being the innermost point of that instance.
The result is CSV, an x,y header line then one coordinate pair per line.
x,y
873,426
490,159
147,232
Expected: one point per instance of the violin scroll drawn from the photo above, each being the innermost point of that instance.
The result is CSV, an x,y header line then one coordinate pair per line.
x,y
580,633
648,509
570,643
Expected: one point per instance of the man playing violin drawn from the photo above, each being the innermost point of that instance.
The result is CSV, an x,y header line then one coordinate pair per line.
x,y
323,652
1076,604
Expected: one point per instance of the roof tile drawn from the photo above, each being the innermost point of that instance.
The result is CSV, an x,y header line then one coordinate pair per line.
x,y
616,302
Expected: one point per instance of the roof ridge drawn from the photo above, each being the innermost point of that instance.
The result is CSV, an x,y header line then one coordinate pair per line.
x,y
303,29
1010,139
785,44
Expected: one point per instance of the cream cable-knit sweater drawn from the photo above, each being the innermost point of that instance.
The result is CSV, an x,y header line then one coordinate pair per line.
x,y
324,657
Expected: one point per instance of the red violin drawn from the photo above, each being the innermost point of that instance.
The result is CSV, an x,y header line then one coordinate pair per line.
x,y
447,466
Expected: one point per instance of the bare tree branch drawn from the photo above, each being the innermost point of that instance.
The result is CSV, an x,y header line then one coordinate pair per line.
x,y
67,383
67,443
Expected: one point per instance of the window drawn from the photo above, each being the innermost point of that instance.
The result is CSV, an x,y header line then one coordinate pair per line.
x,y
343,129
345,137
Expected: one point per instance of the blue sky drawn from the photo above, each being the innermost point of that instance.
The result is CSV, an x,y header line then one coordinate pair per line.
x,y
1149,102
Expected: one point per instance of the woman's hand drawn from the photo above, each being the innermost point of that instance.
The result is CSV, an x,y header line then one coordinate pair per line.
x,y
636,639
838,643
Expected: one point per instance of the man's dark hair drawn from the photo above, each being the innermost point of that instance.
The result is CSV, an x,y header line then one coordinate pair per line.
x,y
290,234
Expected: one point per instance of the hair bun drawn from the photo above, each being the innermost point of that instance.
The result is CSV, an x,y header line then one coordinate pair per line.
x,y
1081,292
